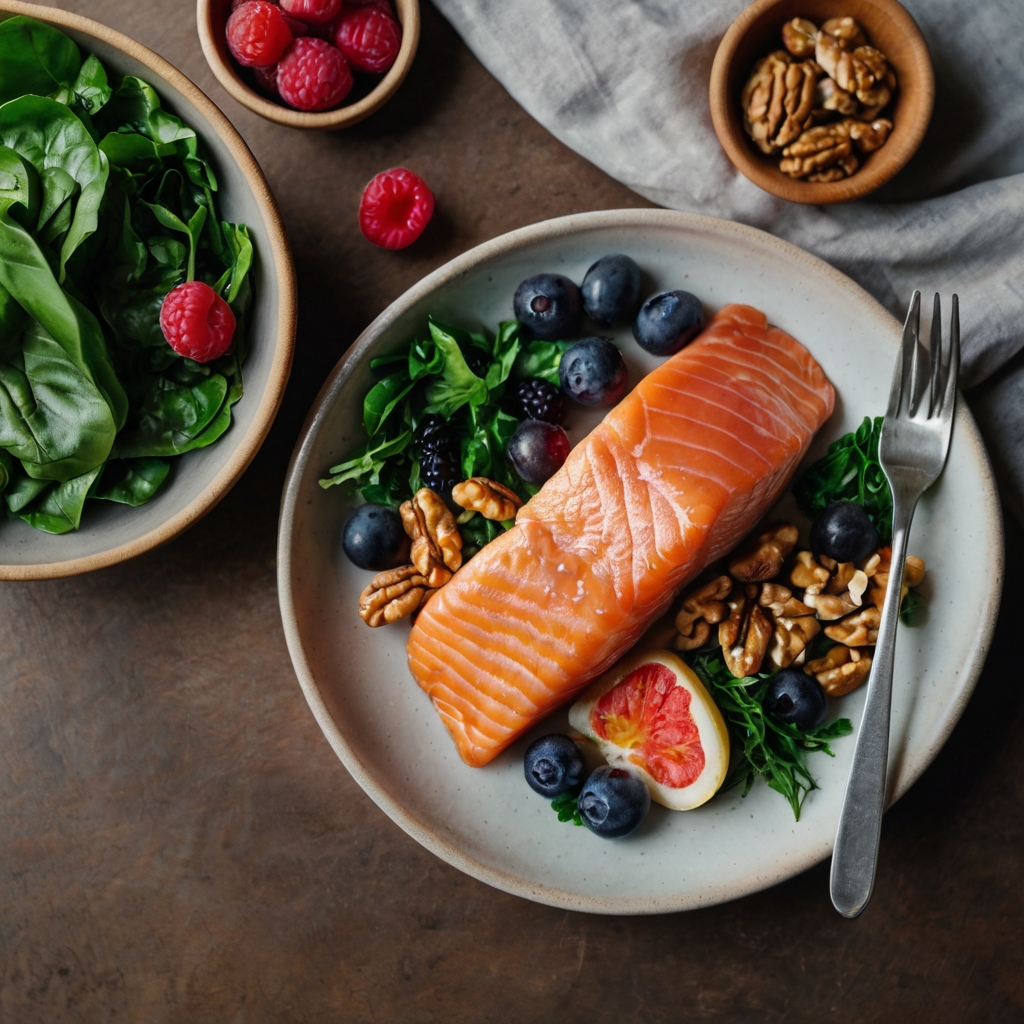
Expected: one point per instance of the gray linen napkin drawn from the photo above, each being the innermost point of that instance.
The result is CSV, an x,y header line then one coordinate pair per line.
x,y
624,83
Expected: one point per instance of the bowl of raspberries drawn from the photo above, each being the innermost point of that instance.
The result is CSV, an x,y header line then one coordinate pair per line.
x,y
317,64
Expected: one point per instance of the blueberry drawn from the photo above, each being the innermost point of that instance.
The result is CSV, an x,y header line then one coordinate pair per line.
x,y
554,765
548,307
592,372
667,322
614,801
374,538
795,697
844,532
611,290
537,449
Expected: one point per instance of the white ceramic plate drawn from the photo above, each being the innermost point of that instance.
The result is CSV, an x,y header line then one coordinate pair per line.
x,y
486,821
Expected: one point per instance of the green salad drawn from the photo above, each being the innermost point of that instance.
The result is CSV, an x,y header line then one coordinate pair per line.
x,y
106,205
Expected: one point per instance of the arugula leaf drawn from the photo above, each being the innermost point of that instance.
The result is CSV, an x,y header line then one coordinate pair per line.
x,y
368,461
540,359
850,471
771,749
458,384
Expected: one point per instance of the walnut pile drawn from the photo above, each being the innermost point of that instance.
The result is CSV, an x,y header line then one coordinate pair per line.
x,y
817,103
775,600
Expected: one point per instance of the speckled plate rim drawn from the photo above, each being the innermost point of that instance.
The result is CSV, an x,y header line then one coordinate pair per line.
x,y
280,254
910,769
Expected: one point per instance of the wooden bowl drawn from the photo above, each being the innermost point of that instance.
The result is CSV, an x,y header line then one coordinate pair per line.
x,y
113,533
211,18
757,32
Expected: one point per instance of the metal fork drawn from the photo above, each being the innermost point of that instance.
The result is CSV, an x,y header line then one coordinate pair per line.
x,y
912,451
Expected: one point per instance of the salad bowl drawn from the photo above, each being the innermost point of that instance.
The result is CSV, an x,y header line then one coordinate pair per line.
x,y
109,532
486,821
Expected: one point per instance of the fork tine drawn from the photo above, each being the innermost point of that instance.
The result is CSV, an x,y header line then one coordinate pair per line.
x,y
953,368
904,365
935,351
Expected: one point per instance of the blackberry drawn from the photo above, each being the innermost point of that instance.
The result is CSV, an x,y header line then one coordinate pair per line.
x,y
434,434
538,399
440,470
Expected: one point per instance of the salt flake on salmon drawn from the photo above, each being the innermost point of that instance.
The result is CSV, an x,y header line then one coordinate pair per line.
x,y
672,478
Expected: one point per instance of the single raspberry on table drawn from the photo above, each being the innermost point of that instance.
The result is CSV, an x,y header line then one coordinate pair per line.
x,y
197,322
369,38
313,75
257,34
313,12
395,208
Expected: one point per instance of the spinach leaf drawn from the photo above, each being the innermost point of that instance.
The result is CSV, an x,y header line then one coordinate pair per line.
x,y
6,470
47,134
504,353
90,88
540,359
59,508
173,419
850,471
458,384
383,398
35,58
131,482
52,417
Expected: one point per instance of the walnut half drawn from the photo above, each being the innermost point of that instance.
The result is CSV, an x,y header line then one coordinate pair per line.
x,y
392,595
841,670
745,634
762,559
436,542
702,608
488,497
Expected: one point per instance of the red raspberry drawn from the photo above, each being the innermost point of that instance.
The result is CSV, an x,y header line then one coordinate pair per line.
x,y
197,322
368,38
313,75
257,34
395,208
315,12
266,81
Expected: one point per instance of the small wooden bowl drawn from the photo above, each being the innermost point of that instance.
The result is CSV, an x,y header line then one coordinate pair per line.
x,y
757,32
211,18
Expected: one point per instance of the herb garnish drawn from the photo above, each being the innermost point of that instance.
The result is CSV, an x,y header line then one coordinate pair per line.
x,y
567,808
850,471
772,749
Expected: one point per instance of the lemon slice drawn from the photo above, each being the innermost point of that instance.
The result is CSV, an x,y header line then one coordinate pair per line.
x,y
651,712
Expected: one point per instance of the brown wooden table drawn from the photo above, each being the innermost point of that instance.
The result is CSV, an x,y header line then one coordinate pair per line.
x,y
179,843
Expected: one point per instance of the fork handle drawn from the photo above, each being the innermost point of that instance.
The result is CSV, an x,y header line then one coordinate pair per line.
x,y
855,856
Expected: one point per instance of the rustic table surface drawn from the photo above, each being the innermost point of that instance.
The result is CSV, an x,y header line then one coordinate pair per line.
x,y
178,842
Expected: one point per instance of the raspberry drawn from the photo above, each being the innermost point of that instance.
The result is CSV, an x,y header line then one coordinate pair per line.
x,y
313,75
314,12
369,38
266,80
257,34
197,322
395,208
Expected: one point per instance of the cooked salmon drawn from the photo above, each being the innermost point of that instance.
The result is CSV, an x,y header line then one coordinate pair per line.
x,y
672,478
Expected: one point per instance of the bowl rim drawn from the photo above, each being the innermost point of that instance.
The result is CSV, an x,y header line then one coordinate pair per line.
x,y
281,258
327,120
462,266
865,179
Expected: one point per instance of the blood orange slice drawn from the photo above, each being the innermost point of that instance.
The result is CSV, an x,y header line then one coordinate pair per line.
x,y
650,711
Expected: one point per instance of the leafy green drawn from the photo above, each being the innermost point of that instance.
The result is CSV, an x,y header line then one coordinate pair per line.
x,y
771,749
567,808
457,384
35,58
106,204
850,471
913,609
540,359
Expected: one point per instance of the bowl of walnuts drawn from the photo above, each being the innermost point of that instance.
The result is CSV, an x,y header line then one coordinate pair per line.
x,y
821,101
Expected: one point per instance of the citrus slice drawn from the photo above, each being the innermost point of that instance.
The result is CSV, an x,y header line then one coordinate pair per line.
x,y
650,711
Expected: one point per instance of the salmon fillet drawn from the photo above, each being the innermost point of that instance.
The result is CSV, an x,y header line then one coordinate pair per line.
x,y
672,478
